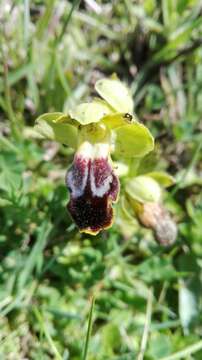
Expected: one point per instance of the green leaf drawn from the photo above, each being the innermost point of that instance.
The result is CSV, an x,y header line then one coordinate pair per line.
x,y
115,93
42,24
189,290
162,178
35,254
88,113
157,268
143,189
4,202
188,178
160,345
133,140
55,126
11,170
110,338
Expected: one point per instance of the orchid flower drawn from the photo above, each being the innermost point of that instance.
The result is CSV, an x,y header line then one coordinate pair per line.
x,y
97,131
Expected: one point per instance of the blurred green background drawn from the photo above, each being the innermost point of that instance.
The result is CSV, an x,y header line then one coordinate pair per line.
x,y
52,52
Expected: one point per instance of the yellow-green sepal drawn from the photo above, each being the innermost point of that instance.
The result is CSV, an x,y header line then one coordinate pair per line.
x,y
88,113
115,93
143,189
58,127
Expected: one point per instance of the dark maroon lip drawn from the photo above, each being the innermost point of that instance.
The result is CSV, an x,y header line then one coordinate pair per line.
x,y
93,188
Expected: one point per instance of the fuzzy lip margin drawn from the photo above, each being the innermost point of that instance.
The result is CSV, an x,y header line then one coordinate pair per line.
x,y
93,188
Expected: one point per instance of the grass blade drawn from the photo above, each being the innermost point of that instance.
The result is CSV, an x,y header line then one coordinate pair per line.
x,y
26,21
47,335
90,322
186,352
35,253
75,4
146,327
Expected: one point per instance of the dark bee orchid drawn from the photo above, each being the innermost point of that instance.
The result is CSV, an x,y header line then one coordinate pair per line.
x,y
96,131
93,188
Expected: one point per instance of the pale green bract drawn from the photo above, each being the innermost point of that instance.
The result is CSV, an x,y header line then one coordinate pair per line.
x,y
143,189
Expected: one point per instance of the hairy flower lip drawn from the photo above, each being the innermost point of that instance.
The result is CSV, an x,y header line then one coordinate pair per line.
x,y
93,188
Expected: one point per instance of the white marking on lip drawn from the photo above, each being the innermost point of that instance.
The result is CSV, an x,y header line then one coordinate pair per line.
x,y
101,150
85,151
77,191
101,190
77,186
77,178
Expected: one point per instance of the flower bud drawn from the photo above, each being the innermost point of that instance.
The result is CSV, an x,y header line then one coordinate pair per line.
x,y
156,217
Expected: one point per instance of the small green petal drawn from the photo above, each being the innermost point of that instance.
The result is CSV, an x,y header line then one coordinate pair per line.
x,y
143,189
93,112
55,126
162,178
116,94
117,120
133,140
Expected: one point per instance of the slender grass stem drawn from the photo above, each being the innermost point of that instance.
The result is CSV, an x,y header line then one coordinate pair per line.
x,y
146,326
75,4
90,322
47,335
8,103
186,352
26,21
